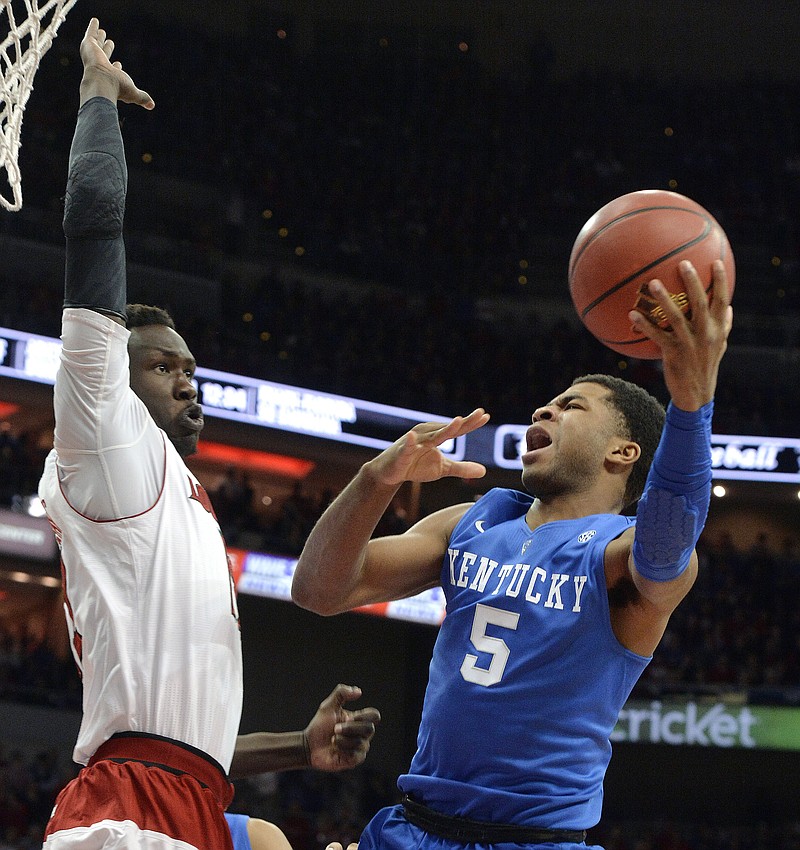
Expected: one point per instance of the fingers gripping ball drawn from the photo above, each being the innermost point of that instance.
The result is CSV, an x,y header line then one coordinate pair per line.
x,y
629,242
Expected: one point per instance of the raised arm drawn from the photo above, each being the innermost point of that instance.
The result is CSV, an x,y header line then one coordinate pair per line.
x,y
341,567
659,554
98,176
335,739
103,432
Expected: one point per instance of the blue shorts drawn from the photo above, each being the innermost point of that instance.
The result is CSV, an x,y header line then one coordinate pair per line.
x,y
389,830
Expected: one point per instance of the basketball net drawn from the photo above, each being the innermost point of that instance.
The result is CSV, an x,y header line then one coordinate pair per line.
x,y
20,53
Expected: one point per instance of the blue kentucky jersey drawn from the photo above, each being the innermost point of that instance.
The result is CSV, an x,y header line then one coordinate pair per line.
x,y
527,677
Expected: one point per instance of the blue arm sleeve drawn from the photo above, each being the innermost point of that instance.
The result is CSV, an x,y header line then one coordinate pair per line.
x,y
673,508
94,210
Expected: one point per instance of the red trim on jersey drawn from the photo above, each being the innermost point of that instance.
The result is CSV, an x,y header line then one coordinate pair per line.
x,y
199,494
64,589
235,562
132,516
56,529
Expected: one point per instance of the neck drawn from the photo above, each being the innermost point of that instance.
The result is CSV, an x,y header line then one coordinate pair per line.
x,y
573,506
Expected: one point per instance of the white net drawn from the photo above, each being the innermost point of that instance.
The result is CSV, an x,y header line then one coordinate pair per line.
x,y
27,40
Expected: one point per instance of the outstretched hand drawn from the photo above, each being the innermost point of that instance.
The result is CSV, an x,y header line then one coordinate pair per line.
x,y
101,76
693,345
417,456
339,739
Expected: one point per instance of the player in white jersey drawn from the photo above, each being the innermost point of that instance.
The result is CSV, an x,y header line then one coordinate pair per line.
x,y
145,568
149,597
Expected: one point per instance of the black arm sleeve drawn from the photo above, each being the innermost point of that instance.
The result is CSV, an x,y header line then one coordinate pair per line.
x,y
94,210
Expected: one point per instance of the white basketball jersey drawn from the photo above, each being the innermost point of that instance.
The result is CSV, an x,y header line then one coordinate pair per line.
x,y
149,596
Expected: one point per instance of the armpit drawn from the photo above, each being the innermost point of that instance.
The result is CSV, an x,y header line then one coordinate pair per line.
x,y
622,594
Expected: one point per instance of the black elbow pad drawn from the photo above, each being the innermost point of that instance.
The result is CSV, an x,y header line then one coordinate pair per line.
x,y
94,206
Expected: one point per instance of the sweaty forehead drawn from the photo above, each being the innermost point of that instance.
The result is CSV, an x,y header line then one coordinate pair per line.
x,y
158,338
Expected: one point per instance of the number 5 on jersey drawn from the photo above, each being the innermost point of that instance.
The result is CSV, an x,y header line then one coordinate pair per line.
x,y
496,647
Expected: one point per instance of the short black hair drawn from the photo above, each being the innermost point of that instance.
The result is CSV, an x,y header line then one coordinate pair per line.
x,y
141,315
641,416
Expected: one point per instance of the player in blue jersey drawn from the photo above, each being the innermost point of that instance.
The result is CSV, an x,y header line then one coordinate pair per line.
x,y
555,601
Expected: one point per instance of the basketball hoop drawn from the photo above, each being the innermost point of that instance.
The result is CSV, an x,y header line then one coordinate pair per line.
x,y
21,51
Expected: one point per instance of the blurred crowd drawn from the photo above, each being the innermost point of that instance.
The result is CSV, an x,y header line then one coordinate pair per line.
x,y
397,227
35,669
29,783
21,463
739,627
761,835
430,172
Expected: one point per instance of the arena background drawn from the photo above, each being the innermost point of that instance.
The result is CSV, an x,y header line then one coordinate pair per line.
x,y
648,92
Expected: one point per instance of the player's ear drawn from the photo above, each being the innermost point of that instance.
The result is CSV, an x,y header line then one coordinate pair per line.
x,y
623,453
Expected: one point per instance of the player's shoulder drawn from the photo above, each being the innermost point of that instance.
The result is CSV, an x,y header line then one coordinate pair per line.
x,y
610,528
495,506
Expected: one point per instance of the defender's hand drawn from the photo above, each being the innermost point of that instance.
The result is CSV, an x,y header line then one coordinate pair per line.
x,y
101,76
339,739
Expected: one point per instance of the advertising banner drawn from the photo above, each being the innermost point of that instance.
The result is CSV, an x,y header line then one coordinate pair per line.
x,y
708,723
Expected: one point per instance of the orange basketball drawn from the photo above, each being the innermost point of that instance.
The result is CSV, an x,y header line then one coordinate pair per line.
x,y
628,242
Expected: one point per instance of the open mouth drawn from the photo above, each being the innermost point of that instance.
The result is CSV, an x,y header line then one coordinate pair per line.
x,y
537,438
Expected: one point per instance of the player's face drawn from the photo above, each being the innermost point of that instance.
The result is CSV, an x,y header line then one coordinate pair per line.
x,y
162,368
568,441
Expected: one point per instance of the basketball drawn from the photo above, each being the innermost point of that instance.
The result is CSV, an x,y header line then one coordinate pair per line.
x,y
627,243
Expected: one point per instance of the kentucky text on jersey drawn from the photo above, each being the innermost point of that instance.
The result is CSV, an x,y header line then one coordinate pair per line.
x,y
538,586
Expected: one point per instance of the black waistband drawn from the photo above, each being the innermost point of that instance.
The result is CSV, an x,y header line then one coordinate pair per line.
x,y
477,832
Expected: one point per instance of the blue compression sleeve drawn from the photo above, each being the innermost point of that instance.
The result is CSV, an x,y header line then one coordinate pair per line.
x,y
94,209
673,508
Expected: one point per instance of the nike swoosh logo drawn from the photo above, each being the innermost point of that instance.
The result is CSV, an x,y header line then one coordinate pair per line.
x,y
479,525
